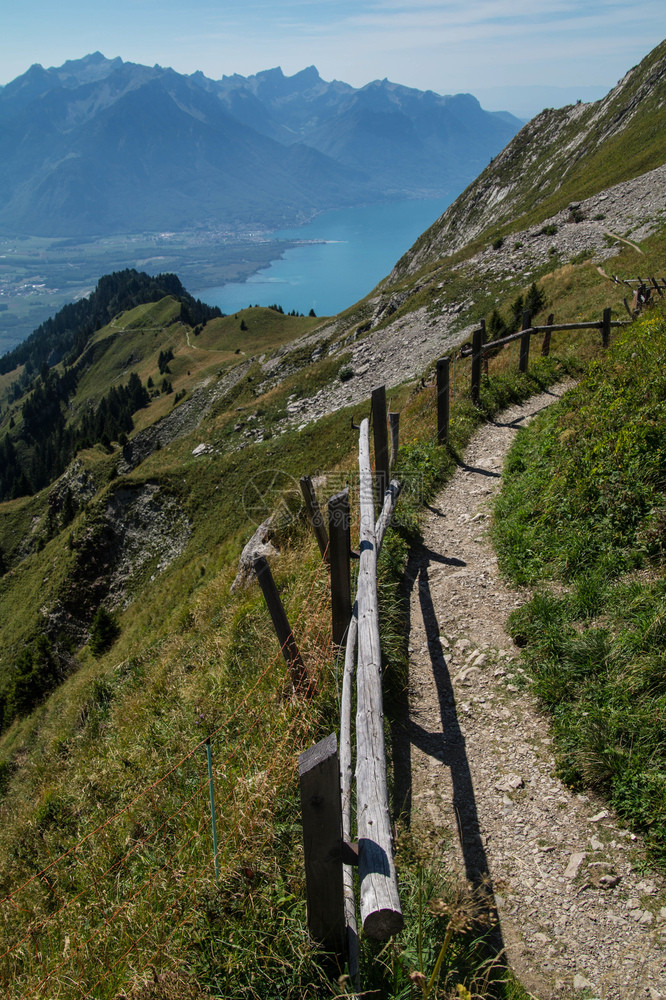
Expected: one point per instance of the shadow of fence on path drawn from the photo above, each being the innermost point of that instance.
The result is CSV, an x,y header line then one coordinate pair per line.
x,y
447,744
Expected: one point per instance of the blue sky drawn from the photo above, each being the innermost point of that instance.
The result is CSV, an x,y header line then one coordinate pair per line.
x,y
450,46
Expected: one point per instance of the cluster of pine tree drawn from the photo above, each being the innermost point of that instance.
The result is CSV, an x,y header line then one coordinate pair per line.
x,y
163,361
533,302
48,445
278,309
37,671
68,331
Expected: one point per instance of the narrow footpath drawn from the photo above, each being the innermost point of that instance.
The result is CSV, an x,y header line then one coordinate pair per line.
x,y
579,913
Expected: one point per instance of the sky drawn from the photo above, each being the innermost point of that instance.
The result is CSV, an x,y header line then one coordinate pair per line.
x,y
502,51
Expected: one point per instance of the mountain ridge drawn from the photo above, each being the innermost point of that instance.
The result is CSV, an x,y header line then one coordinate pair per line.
x,y
241,151
559,157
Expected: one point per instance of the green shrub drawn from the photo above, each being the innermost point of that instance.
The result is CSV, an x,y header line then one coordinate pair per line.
x,y
104,632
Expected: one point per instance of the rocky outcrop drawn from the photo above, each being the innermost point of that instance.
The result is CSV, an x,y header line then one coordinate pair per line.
x,y
261,544
554,146
132,534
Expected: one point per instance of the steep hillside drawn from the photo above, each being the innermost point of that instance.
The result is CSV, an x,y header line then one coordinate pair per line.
x,y
560,158
153,376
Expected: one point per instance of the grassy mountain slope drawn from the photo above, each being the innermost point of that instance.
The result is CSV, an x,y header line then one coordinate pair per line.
x,y
109,754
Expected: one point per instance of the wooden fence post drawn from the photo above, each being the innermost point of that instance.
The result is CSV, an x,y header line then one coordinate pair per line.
x,y
545,347
339,532
280,622
315,515
380,437
605,327
484,360
525,342
380,903
319,779
394,430
443,400
477,352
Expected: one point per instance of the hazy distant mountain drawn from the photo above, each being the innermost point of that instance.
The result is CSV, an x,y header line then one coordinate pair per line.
x,y
102,146
409,141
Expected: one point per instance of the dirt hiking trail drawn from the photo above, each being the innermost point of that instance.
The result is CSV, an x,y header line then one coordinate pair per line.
x,y
579,913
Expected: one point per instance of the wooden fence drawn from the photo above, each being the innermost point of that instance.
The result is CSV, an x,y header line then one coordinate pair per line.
x,y
480,349
326,770
326,773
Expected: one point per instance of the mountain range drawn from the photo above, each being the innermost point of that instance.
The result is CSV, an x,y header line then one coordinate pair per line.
x,y
102,146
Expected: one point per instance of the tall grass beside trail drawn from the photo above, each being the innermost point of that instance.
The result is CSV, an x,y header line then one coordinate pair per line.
x,y
107,881
582,519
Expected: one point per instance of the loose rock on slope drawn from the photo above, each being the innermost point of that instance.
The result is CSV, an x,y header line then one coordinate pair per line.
x,y
576,913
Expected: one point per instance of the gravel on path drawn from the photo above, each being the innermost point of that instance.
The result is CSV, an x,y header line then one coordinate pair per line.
x,y
579,914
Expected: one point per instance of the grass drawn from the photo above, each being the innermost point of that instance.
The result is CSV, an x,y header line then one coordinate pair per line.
x,y
581,519
191,660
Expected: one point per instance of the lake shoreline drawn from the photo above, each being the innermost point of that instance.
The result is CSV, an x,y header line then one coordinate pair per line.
x,y
332,261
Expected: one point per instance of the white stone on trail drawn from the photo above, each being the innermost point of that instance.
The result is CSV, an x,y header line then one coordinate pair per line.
x,y
575,861
510,783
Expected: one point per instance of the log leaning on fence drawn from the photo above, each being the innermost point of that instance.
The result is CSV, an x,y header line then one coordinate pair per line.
x,y
380,904
281,624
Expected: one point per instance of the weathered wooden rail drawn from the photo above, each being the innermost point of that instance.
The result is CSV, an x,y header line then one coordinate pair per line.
x,y
372,853
480,349
326,771
380,904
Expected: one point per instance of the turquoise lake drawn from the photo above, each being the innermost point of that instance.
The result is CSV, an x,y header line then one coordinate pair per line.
x,y
341,256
